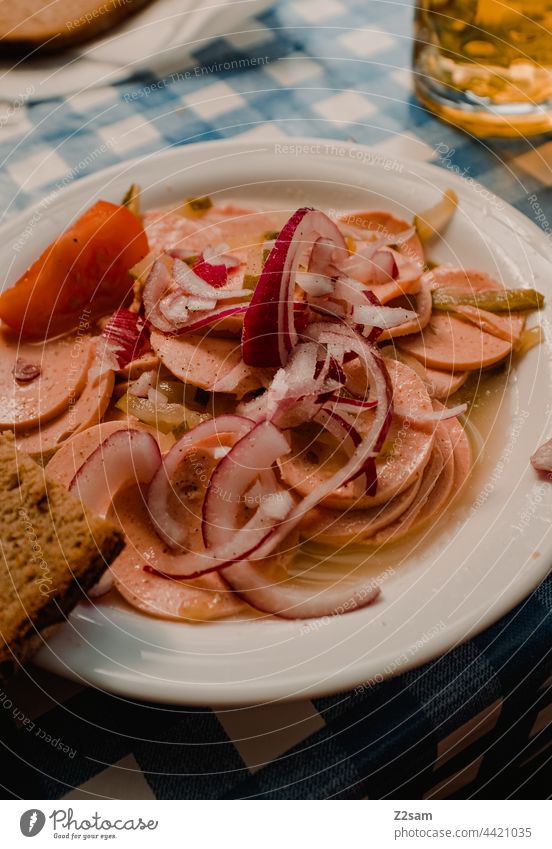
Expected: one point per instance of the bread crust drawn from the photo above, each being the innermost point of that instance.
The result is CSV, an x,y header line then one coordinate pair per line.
x,y
52,551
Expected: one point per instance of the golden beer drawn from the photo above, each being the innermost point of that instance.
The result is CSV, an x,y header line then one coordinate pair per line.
x,y
486,65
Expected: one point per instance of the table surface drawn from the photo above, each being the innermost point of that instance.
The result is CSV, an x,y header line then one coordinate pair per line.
x,y
455,727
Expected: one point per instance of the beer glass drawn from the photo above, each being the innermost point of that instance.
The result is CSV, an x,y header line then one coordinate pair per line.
x,y
486,65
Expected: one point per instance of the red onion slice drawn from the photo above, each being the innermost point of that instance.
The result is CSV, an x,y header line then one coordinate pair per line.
x,y
157,284
327,308
229,488
160,488
349,438
385,267
124,336
269,332
300,387
316,285
229,382
372,263
343,341
103,586
350,291
382,317
174,308
432,417
289,598
344,432
350,405
126,456
211,317
200,304
252,455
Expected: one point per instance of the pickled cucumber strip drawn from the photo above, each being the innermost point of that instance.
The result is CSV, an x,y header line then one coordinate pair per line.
x,y
132,200
528,339
433,221
492,300
196,207
165,417
250,281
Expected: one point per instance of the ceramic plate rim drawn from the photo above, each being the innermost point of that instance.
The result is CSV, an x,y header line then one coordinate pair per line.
x,y
458,631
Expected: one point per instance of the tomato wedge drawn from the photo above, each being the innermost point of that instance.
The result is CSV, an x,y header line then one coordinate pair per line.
x,y
81,276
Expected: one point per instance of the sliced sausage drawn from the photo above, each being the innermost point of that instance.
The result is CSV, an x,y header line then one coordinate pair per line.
x,y
463,457
198,600
87,411
236,226
204,360
442,384
71,455
432,496
454,344
333,527
201,599
63,365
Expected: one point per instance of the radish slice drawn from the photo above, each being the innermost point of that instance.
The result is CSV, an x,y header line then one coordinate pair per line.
x,y
289,598
125,457
124,336
219,254
214,275
542,458
269,332
160,488
191,283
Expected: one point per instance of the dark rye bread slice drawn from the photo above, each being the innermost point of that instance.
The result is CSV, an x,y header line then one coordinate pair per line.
x,y
28,25
52,551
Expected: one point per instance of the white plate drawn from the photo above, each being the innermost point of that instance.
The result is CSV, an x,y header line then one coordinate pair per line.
x,y
460,579
159,38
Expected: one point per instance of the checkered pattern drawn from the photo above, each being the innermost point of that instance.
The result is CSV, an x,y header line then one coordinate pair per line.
x,y
475,722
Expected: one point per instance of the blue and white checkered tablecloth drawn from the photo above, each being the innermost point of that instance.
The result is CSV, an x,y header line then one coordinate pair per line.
x,y
477,721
